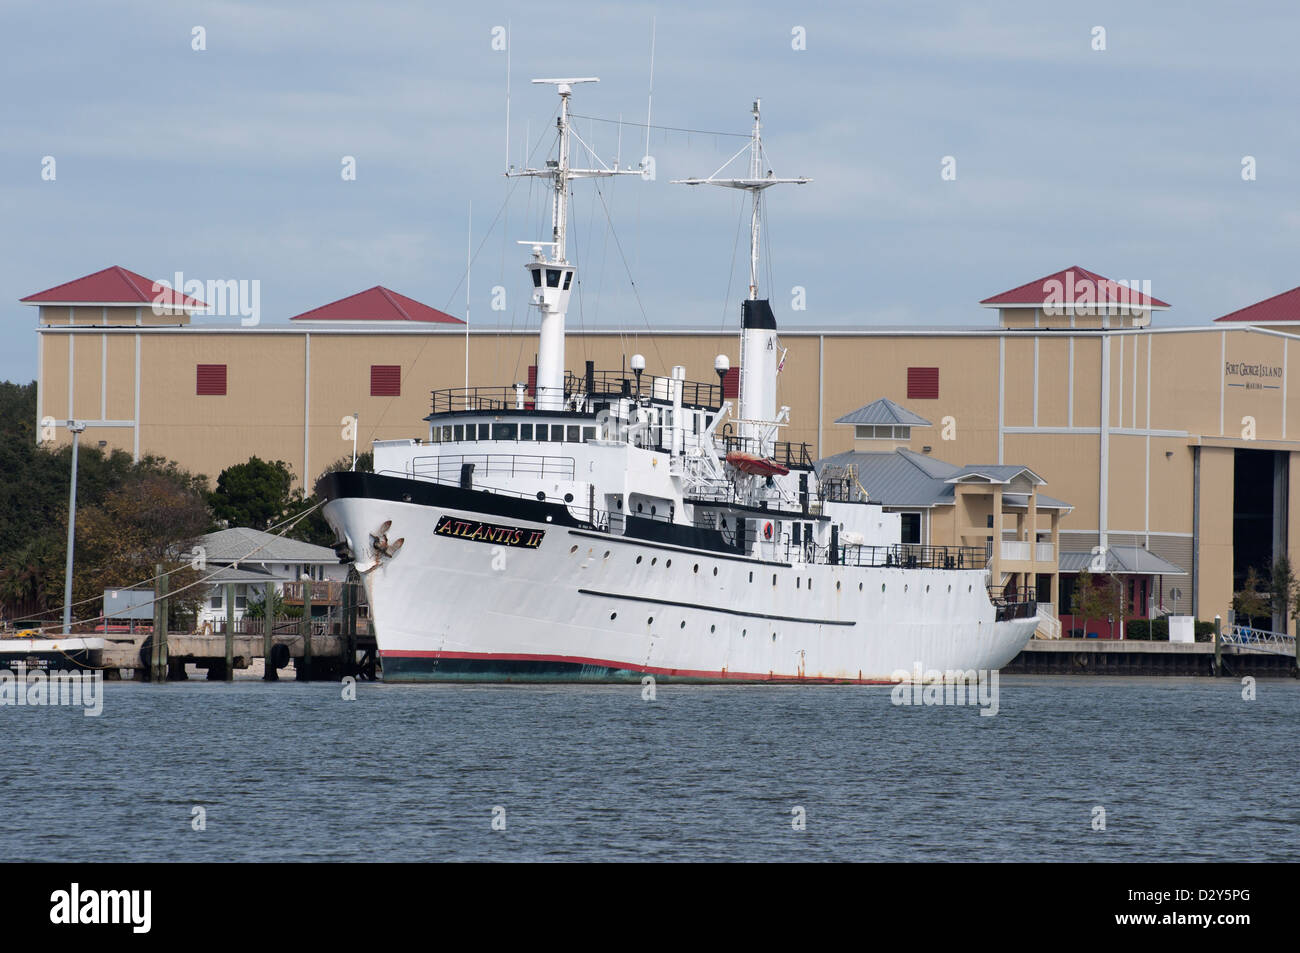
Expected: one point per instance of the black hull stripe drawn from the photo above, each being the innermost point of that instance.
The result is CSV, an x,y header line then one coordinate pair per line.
x,y
707,553
691,605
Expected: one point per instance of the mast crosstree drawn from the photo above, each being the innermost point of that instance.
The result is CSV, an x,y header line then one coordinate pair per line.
x,y
758,345
552,273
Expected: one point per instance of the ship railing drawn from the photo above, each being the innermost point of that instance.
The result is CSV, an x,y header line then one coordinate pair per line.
x,y
796,456
1013,602
448,467
900,556
579,393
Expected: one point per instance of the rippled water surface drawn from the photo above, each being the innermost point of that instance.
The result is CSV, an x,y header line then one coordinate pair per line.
x,y
1184,769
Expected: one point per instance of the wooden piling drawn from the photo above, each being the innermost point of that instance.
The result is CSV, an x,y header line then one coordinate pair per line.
x,y
230,631
1218,646
304,668
269,674
158,660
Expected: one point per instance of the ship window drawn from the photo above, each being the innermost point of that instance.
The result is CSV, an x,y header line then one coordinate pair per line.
x,y
751,576
537,277
446,433
573,434
542,431
588,433
458,432
504,431
568,278
525,431
798,583
774,579
552,277
435,434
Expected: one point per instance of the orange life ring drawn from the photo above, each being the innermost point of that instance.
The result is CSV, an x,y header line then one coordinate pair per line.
x,y
767,530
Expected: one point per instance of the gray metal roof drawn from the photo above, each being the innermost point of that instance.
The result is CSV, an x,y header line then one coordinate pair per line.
x,y
907,478
243,544
995,473
884,411
225,574
1133,560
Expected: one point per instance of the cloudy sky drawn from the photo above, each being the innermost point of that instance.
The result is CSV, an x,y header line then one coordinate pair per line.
x,y
226,162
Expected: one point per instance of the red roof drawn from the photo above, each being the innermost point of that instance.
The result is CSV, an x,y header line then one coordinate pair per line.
x,y
1068,287
113,285
1283,307
376,304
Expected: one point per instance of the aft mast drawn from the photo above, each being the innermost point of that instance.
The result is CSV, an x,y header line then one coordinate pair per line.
x,y
758,358
552,274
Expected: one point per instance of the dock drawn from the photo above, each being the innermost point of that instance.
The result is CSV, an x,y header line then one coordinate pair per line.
x,y
1130,657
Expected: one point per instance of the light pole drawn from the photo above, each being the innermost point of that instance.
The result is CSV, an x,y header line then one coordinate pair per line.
x,y
75,428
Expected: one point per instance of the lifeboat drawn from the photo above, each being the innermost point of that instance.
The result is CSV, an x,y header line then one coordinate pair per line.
x,y
753,463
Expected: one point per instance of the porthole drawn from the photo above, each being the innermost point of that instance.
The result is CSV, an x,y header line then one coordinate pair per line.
x,y
568,498
683,625
653,510
667,563
810,582
927,588
697,568
905,587
859,587
773,636
751,577
607,554
638,560
837,585
541,496
712,629
950,588
968,588
653,560
774,579
638,507
572,550
798,583
743,632
715,570
650,621
613,616
882,587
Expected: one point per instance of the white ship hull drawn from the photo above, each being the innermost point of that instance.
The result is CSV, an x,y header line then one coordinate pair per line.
x,y
588,605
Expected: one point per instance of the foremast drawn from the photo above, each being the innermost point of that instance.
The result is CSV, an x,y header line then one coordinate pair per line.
x,y
550,270
758,341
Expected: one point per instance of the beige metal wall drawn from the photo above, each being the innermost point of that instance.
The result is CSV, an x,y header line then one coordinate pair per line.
x,y
1026,397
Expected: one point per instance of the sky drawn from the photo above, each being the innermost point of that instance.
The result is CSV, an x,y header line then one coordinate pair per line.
x,y
226,162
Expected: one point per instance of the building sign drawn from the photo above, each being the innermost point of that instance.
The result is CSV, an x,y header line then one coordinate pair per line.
x,y
480,532
1252,376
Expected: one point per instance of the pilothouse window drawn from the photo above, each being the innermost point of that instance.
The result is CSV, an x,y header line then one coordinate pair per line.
x,y
552,277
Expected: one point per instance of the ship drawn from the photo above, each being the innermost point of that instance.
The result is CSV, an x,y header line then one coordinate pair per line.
x,y
614,525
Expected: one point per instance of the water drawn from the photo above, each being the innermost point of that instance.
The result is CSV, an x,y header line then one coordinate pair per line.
x,y
1184,768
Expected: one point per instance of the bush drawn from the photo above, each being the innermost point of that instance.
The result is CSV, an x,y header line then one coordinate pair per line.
x,y
1143,631
1204,631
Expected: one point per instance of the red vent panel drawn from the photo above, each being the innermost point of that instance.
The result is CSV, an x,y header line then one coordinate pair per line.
x,y
385,380
210,380
923,383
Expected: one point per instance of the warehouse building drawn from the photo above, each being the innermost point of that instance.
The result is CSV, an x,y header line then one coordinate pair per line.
x,y
1176,442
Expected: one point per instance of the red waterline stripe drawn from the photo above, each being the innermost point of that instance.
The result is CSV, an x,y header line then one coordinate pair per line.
x,y
649,670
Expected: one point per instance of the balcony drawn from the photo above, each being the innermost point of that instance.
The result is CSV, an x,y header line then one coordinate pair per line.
x,y
325,593
1019,552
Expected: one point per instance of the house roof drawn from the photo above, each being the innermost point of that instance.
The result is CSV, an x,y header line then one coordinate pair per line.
x,y
244,545
994,473
1133,560
225,574
1055,290
1284,307
113,286
377,304
907,478
884,411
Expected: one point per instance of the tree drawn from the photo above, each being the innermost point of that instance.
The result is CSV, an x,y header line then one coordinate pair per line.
x,y
314,529
256,494
1251,601
1092,599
